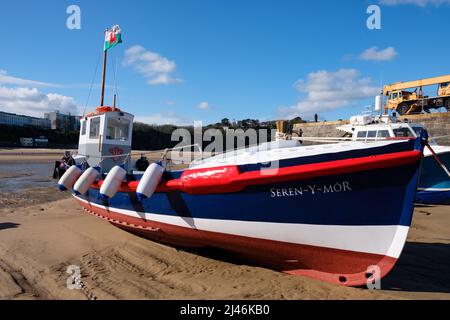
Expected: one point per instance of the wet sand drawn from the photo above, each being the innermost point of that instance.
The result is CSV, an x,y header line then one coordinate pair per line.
x,y
42,232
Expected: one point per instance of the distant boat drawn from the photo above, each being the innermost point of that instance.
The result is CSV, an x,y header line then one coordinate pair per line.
x,y
434,183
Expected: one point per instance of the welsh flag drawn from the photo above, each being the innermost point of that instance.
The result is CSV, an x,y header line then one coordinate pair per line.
x,y
113,37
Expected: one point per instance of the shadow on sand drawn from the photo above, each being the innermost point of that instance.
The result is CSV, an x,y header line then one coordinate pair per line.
x,y
422,267
8,225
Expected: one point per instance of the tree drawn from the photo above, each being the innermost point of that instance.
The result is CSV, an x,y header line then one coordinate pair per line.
x,y
225,122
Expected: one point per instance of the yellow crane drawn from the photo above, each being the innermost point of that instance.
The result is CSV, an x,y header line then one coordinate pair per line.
x,y
407,102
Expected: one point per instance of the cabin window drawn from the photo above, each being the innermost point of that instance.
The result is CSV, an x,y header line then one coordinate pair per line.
x,y
371,134
403,132
417,130
117,129
383,134
83,127
347,135
362,134
94,128
395,96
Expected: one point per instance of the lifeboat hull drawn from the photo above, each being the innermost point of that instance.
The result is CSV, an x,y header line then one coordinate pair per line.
x,y
342,227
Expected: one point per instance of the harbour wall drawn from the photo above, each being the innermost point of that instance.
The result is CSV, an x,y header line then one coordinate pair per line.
x,y
438,125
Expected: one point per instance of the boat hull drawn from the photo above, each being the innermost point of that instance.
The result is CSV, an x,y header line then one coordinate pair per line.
x,y
344,267
334,228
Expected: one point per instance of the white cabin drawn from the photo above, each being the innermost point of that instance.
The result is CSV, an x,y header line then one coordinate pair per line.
x,y
105,138
379,128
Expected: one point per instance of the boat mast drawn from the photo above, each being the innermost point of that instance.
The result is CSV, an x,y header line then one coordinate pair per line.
x,y
103,78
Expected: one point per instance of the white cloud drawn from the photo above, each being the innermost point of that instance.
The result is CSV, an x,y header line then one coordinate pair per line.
x,y
5,78
167,117
156,68
376,54
327,91
420,3
30,101
204,105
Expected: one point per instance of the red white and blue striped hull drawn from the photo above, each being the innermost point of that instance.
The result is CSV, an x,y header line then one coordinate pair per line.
x,y
331,218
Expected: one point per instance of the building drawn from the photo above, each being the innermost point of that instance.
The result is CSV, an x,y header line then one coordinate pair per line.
x,y
26,142
41,142
63,122
12,119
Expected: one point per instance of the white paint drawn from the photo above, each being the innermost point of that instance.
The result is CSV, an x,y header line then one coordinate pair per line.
x,y
70,177
113,181
84,182
383,240
378,103
150,180
262,155
434,189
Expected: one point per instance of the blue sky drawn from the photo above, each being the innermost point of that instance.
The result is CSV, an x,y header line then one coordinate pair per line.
x,y
189,60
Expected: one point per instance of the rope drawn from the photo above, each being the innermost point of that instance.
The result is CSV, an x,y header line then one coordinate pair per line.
x,y
92,83
324,139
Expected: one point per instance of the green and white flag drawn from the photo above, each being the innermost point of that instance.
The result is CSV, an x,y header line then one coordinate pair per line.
x,y
113,37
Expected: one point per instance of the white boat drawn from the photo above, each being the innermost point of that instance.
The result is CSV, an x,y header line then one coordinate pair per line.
x,y
434,183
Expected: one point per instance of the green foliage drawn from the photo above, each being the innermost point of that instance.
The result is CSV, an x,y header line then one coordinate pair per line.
x,y
145,137
10,136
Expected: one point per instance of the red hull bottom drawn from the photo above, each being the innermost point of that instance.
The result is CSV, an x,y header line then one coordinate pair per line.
x,y
342,267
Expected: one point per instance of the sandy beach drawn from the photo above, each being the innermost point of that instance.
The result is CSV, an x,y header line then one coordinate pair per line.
x,y
43,232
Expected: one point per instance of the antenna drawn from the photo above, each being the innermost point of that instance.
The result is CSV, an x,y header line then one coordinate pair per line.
x,y
116,91
379,97
92,84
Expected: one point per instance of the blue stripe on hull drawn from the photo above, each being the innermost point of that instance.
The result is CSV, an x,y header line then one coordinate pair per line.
x,y
406,145
433,177
432,174
433,197
351,199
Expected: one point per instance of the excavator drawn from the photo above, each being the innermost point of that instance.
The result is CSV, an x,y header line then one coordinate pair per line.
x,y
404,101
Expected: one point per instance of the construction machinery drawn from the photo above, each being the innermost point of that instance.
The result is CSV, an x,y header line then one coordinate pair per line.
x,y
404,101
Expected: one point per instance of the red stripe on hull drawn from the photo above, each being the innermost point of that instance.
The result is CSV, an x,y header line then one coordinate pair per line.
x,y
228,179
332,265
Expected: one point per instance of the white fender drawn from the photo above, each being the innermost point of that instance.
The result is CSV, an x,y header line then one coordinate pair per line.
x,y
149,181
84,182
69,177
112,182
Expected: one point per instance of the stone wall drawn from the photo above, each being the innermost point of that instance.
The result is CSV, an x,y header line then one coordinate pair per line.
x,y
438,125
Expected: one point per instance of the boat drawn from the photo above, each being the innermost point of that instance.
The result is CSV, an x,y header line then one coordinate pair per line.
x,y
434,182
335,212
328,211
